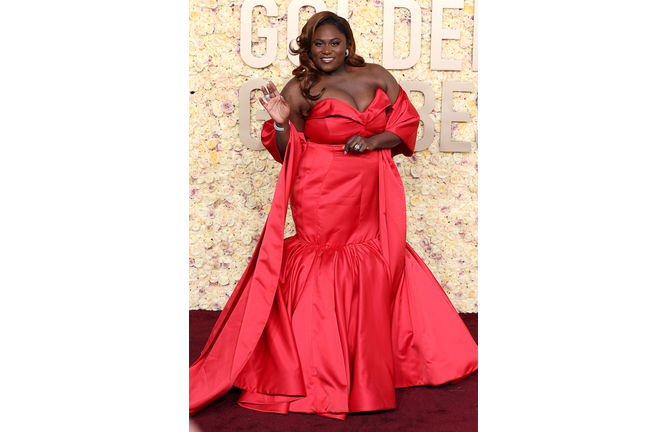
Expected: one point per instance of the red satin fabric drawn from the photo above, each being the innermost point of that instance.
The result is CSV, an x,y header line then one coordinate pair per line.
x,y
333,319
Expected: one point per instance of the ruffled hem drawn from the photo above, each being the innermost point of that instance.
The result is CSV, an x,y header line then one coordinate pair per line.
x,y
355,340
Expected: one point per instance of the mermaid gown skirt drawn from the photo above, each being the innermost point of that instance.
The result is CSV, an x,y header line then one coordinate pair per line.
x,y
345,324
335,287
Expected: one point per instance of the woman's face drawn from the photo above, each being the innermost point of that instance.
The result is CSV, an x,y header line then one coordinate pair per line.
x,y
328,48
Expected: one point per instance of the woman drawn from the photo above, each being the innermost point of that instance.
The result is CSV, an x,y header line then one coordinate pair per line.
x,y
332,320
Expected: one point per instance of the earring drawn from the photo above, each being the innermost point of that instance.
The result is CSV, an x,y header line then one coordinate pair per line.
x,y
347,52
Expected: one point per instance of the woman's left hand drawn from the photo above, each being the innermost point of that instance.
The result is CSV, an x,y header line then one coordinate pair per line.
x,y
357,145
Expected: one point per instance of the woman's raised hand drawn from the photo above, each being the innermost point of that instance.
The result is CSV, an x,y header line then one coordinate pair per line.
x,y
276,105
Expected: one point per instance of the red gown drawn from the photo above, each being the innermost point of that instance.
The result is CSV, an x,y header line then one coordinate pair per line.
x,y
333,319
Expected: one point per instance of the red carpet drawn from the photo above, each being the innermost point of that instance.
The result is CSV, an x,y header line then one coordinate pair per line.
x,y
449,407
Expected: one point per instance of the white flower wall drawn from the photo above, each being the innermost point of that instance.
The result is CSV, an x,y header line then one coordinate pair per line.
x,y
231,186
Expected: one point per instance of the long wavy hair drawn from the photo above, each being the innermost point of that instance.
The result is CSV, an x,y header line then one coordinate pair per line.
x,y
307,73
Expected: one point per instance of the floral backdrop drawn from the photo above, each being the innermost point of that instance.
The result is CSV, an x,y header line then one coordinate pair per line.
x,y
231,186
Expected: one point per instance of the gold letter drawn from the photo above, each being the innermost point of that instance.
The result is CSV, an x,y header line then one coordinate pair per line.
x,y
388,34
244,113
438,34
343,9
449,116
271,34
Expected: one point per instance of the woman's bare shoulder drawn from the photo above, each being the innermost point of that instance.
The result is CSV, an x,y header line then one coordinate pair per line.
x,y
383,79
292,84
292,89
292,92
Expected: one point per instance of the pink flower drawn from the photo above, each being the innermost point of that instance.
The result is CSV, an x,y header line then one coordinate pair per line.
x,y
193,192
211,213
202,290
216,306
377,2
455,127
227,107
192,262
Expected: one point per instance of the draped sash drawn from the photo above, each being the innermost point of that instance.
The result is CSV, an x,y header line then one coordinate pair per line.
x,y
244,317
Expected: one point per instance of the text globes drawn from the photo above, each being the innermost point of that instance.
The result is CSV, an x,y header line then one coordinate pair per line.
x,y
438,34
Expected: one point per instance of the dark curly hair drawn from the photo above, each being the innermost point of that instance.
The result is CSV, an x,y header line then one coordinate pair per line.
x,y
307,73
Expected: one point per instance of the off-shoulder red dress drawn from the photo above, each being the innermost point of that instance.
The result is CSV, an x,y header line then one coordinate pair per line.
x,y
332,320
